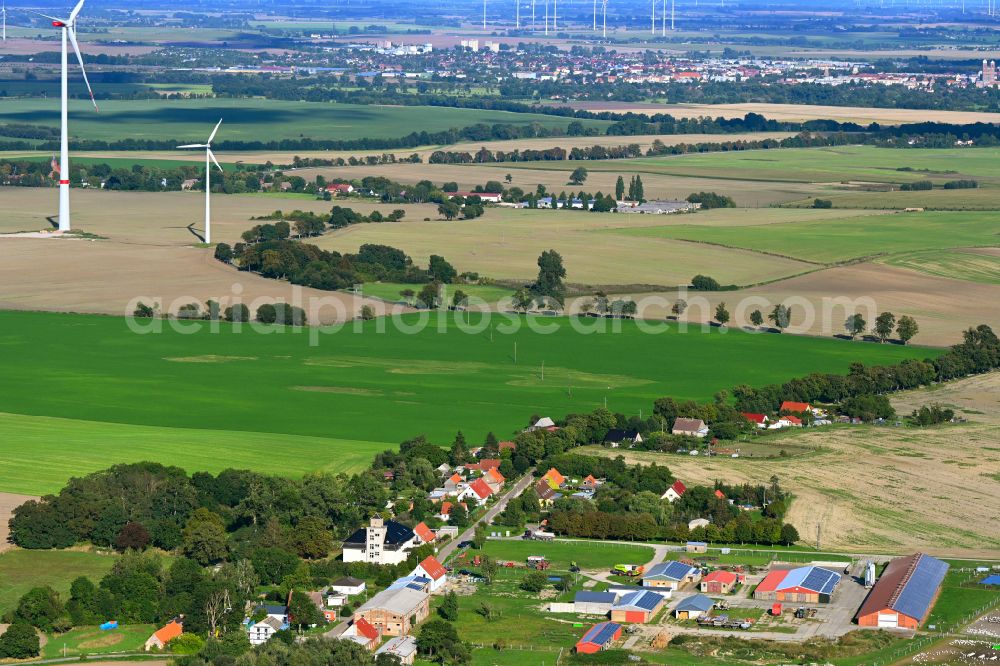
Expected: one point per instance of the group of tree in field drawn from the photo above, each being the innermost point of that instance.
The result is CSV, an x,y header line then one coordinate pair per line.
x,y
906,327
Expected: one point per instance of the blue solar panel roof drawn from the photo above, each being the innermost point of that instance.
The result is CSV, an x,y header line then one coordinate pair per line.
x,y
822,581
919,590
596,597
991,580
672,570
600,633
642,600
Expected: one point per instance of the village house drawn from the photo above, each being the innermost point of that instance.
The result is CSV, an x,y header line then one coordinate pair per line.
x,y
494,479
164,635
486,197
395,612
339,189
424,533
479,491
347,586
382,542
760,420
689,427
674,492
554,478
547,495
433,570
616,437
261,632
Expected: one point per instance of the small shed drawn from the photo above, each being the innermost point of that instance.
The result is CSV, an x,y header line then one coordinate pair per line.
x,y
693,607
696,547
776,610
599,637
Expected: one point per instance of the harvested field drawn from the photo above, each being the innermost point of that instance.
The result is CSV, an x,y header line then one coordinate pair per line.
x,y
9,502
942,307
974,265
148,253
794,112
885,489
506,243
603,174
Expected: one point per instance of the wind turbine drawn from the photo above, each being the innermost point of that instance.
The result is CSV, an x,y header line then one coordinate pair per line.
x,y
68,28
604,17
209,159
3,12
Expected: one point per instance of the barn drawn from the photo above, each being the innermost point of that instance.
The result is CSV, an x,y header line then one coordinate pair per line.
x,y
719,582
599,637
639,607
694,607
810,585
593,603
902,598
670,575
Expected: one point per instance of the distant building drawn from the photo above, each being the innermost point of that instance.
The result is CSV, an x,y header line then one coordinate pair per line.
x,y
674,492
395,612
690,427
164,635
599,637
669,575
658,207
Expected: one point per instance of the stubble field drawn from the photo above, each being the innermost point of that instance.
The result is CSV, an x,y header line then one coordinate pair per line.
x,y
885,489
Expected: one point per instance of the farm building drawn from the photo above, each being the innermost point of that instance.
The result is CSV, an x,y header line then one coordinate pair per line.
x,y
594,603
599,637
638,607
395,612
720,582
902,598
690,427
669,575
403,647
809,585
693,608
674,492
696,547
797,407
990,580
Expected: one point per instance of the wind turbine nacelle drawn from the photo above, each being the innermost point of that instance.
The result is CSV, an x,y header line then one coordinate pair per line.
x,y
58,24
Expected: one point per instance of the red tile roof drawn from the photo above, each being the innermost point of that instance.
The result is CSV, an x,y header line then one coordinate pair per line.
x,y
679,487
756,418
553,476
489,463
725,577
481,489
455,478
425,533
366,629
502,446
446,508
169,631
792,419
800,407
720,494
771,581
433,568
495,475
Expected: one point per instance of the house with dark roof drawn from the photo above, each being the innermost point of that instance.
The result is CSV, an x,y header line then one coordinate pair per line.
x,y
617,437
599,637
638,607
811,585
670,575
382,542
348,586
903,597
546,493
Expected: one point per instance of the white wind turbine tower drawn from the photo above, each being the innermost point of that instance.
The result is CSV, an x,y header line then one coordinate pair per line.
x,y
68,28
3,12
604,17
209,159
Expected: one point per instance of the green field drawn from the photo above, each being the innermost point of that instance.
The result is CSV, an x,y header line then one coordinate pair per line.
x,y
77,447
93,641
355,392
587,555
389,291
811,165
256,119
831,241
972,266
21,570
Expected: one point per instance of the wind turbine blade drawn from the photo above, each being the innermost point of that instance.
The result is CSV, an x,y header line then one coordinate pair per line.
x,y
193,145
214,131
51,18
212,155
76,47
75,12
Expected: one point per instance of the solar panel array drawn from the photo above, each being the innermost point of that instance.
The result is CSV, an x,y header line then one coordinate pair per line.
x,y
918,592
644,600
822,580
673,569
601,633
